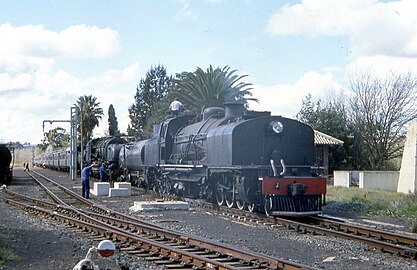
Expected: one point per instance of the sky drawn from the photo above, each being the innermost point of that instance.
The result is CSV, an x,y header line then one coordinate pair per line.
x,y
53,52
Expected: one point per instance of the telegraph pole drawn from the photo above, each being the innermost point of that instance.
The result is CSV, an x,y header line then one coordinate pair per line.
x,y
73,143
73,140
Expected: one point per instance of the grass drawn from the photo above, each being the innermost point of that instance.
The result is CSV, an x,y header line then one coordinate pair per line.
x,y
6,254
377,202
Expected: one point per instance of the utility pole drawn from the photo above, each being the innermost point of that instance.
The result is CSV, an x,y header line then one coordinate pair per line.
x,y
82,145
73,140
73,143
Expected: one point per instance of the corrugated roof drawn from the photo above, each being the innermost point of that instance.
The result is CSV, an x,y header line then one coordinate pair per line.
x,y
324,139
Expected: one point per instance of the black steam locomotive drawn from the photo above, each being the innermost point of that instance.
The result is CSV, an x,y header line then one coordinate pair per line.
x,y
6,169
235,157
228,155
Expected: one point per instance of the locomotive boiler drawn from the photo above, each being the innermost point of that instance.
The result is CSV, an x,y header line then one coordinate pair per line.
x,y
6,169
233,157
104,150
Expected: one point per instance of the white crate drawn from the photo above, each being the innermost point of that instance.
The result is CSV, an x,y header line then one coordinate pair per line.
x,y
124,185
119,192
100,189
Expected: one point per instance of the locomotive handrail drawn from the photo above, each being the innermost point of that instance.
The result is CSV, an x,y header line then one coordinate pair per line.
x,y
274,170
283,167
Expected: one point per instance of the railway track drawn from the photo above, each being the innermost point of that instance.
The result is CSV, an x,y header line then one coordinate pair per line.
x,y
163,246
394,243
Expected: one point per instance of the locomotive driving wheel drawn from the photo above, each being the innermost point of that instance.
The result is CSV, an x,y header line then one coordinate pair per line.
x,y
230,199
241,205
251,207
220,192
225,192
219,198
229,192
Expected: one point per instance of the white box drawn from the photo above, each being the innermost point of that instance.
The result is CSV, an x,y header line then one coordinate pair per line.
x,y
124,185
100,189
119,192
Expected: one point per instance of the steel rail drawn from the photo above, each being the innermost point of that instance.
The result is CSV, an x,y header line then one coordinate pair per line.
x,y
363,236
138,225
153,246
394,238
48,191
158,231
394,245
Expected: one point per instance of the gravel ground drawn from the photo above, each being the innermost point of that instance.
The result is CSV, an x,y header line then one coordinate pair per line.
x,y
43,245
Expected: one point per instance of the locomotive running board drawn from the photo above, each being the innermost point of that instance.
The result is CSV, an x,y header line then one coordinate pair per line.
x,y
180,166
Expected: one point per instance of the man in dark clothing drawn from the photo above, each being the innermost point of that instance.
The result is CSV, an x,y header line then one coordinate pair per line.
x,y
113,172
85,179
103,172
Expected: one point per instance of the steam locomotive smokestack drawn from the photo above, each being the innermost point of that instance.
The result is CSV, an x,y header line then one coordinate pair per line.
x,y
234,109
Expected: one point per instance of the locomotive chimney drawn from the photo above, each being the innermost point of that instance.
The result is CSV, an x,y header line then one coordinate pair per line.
x,y
234,109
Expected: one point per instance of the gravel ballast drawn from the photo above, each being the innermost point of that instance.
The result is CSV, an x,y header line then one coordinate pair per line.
x,y
41,243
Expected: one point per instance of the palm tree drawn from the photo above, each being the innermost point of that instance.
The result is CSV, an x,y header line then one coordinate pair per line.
x,y
89,114
201,89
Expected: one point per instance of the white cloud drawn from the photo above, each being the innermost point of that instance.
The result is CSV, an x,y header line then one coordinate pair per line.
x,y
77,41
373,27
49,96
286,99
33,89
14,82
13,64
382,65
186,11
117,87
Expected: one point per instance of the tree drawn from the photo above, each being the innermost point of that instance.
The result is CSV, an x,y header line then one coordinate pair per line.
x,y
149,93
379,113
200,89
89,114
113,129
331,118
56,138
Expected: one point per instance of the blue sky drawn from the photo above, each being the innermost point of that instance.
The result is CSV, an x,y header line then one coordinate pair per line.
x,y
52,52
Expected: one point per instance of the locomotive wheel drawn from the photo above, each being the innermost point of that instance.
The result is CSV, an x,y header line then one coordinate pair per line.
x,y
230,198
251,207
241,205
229,192
219,198
220,191
130,180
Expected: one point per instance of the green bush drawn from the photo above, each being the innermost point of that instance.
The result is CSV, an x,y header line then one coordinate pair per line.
x,y
377,202
5,253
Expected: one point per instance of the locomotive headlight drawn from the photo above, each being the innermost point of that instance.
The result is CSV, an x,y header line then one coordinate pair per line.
x,y
277,127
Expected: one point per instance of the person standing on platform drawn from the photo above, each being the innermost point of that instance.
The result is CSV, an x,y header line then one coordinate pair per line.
x,y
85,179
103,172
112,171
175,107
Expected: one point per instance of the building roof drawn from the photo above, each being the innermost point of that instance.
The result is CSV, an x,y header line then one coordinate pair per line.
x,y
324,139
